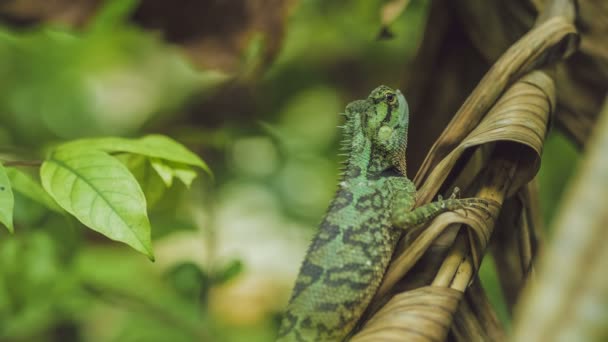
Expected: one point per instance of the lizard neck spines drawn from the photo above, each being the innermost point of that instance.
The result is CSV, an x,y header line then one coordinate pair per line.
x,y
349,255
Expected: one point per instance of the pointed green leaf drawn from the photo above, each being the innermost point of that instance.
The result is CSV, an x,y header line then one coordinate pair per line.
x,y
100,192
154,146
151,183
112,14
168,170
7,200
185,174
163,170
28,187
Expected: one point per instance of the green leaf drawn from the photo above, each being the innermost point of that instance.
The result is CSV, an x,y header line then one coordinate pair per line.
x,y
163,170
185,174
149,180
28,187
154,146
101,193
168,170
112,14
189,280
7,200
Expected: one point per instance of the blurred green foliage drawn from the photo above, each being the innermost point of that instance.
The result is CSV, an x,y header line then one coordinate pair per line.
x,y
107,79
226,253
560,160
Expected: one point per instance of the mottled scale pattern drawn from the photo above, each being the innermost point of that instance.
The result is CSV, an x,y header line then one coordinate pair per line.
x,y
347,258
349,255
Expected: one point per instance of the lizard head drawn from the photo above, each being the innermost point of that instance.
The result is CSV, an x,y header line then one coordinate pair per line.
x,y
376,130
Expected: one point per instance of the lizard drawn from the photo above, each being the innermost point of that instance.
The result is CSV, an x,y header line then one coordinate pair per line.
x,y
374,203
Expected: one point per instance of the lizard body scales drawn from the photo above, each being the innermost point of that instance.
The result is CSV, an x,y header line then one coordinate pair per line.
x,y
347,258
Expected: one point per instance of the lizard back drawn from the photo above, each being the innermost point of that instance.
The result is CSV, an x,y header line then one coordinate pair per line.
x,y
347,258
343,266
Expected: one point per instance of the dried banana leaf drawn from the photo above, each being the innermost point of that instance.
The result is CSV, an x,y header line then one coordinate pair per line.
x,y
407,316
552,40
569,299
520,116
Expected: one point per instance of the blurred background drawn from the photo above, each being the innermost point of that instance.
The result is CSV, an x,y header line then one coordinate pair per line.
x,y
255,88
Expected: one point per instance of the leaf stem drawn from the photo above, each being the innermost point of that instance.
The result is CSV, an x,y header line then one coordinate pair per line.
x,y
28,163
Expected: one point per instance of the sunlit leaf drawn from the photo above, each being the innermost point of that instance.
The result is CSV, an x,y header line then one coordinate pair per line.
x,y
7,200
100,192
163,170
25,185
151,183
168,170
112,14
155,146
184,173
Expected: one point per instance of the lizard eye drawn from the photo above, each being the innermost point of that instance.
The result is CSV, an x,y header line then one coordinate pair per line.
x,y
391,98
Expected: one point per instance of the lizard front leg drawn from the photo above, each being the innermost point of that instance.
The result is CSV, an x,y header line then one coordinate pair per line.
x,y
403,216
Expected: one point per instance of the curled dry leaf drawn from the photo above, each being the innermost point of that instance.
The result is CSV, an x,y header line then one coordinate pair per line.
x,y
568,300
519,117
582,82
517,236
404,261
493,25
552,40
407,317
475,319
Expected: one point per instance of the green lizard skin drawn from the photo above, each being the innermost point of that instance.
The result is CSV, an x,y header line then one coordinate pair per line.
x,y
373,204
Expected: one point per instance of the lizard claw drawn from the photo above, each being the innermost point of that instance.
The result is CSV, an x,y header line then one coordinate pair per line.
x,y
442,201
455,193
454,196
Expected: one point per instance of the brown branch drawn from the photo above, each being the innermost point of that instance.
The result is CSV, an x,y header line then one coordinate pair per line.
x,y
558,8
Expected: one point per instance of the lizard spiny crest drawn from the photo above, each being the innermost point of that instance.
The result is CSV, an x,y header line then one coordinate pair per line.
x,y
349,255
373,205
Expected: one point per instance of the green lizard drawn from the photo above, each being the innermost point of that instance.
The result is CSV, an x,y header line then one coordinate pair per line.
x,y
374,203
